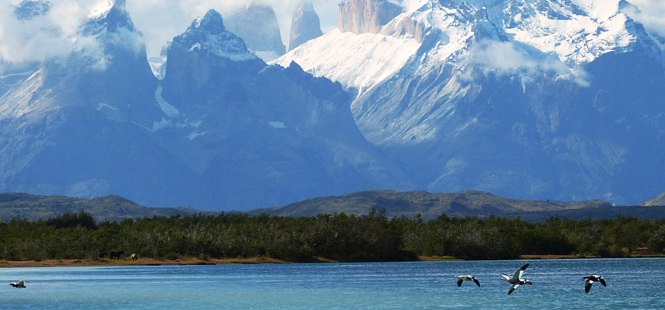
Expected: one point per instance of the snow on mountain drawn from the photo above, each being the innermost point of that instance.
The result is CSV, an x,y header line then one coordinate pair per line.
x,y
357,61
523,98
576,35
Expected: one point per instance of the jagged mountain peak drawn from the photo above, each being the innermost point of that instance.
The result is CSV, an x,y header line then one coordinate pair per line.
x,y
112,28
212,22
209,35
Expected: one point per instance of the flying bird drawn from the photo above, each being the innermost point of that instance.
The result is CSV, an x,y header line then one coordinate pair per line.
x,y
589,282
516,280
461,279
20,284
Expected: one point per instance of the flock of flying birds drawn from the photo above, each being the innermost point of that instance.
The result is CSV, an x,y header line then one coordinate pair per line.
x,y
516,280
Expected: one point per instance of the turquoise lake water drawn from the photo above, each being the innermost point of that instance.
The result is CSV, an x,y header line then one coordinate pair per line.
x,y
557,284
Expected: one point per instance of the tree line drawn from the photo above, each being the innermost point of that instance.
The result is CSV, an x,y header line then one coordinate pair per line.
x,y
371,237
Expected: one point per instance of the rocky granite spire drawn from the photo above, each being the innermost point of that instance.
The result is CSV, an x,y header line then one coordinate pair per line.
x,y
257,25
305,25
360,16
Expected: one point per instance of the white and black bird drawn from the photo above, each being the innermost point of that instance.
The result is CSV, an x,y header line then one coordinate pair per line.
x,y
462,278
516,280
588,282
20,284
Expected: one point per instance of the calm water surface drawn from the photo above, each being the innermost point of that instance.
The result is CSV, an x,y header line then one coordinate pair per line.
x,y
558,284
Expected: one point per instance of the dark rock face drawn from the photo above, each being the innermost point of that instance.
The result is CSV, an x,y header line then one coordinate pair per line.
x,y
257,25
305,25
360,16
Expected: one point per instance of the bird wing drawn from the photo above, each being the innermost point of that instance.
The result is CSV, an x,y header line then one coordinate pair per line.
x,y
477,282
519,272
459,282
513,288
602,281
587,285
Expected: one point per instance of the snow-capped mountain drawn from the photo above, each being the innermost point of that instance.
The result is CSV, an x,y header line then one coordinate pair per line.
x,y
257,25
222,130
305,25
539,99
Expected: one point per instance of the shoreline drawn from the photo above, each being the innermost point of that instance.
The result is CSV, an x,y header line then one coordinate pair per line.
x,y
141,262
226,261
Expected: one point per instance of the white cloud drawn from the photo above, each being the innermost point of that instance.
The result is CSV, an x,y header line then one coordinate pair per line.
x,y
506,58
42,37
651,13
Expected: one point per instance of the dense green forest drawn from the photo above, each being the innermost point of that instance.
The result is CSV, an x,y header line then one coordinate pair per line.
x,y
371,237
